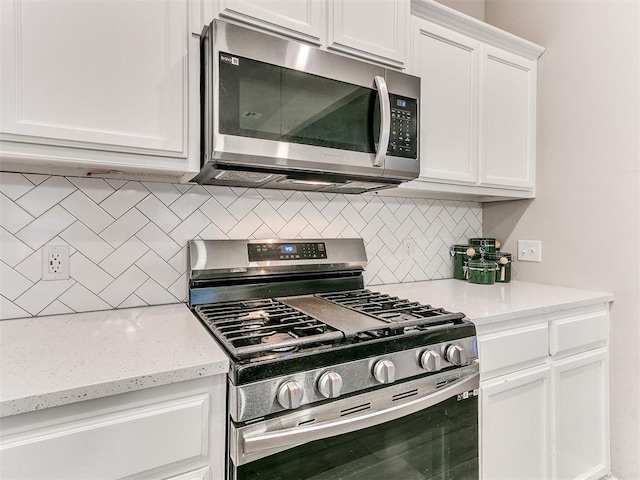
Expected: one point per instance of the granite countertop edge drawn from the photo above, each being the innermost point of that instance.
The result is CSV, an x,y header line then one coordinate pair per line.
x,y
114,352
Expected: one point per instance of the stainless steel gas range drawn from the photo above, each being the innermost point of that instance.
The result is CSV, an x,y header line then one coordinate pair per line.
x,y
328,379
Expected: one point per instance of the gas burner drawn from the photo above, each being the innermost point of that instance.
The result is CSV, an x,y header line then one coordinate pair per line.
x,y
404,313
274,342
263,327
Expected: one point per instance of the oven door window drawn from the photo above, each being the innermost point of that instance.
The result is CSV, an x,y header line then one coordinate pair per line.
x,y
264,101
440,442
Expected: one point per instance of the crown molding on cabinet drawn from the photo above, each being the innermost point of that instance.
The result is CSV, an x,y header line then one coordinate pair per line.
x,y
454,20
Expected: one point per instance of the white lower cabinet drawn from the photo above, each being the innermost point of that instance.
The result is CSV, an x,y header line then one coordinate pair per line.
x,y
200,474
544,389
173,431
581,427
514,426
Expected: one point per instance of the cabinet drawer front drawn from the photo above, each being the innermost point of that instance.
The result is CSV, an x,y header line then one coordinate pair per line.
x,y
578,333
513,350
113,445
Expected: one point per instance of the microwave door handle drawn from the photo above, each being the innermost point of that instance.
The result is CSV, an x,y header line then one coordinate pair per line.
x,y
254,443
385,120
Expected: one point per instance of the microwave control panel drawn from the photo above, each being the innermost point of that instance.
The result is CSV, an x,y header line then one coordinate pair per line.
x,y
403,139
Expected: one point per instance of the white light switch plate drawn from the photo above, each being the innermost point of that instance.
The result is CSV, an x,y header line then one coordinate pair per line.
x,y
530,250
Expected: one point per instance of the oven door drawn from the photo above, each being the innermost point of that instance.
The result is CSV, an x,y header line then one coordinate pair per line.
x,y
420,429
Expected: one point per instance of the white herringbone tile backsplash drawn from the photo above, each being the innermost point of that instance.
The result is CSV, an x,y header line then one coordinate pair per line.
x,y
128,239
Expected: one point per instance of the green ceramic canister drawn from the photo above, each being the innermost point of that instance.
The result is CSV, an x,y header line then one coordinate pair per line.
x,y
503,265
461,254
482,271
485,245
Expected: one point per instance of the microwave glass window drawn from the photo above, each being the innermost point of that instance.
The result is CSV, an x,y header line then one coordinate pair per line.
x,y
265,101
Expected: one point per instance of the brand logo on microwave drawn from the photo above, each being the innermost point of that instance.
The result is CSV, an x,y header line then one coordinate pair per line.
x,y
230,60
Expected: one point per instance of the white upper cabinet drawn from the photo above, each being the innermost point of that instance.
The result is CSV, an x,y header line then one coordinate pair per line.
x,y
447,64
101,84
477,106
507,126
374,30
297,18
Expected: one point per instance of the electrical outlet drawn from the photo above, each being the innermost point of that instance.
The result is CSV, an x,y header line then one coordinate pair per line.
x,y
530,250
55,262
408,246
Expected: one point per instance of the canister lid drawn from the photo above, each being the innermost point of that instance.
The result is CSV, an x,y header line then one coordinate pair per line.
x,y
497,255
482,241
480,262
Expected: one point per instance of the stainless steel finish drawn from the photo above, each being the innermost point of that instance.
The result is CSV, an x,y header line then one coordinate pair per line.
x,y
384,371
385,121
431,361
348,321
257,440
209,259
456,355
334,170
357,376
290,394
330,384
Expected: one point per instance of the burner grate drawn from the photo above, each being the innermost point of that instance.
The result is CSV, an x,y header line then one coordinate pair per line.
x,y
393,309
264,326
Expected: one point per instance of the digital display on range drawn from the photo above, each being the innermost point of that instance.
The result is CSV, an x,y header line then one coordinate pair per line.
x,y
401,103
286,251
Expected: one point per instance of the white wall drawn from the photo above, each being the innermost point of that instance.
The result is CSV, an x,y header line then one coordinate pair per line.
x,y
473,8
587,210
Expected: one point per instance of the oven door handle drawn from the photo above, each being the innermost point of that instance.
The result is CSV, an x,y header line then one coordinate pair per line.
x,y
254,443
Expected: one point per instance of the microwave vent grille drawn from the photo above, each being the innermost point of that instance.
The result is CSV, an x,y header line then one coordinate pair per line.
x,y
246,177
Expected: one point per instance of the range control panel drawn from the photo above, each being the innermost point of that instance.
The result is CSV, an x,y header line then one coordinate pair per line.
x,y
403,141
260,252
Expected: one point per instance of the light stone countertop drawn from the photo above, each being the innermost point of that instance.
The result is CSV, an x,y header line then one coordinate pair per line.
x,y
489,304
61,359
57,360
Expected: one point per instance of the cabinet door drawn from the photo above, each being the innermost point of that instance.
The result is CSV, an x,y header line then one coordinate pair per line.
x,y
113,444
447,65
581,426
507,119
514,426
101,75
378,31
298,18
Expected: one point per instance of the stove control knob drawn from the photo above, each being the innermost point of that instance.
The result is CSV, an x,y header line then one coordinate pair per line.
x,y
431,361
455,354
330,384
384,371
290,394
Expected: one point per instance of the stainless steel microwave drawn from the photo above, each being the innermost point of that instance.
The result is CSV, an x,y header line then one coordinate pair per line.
x,y
282,114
